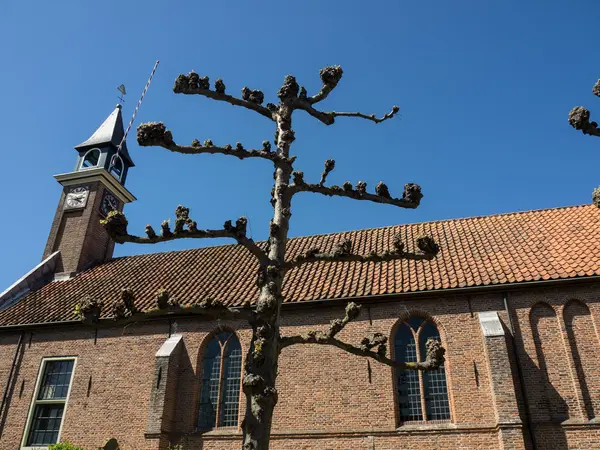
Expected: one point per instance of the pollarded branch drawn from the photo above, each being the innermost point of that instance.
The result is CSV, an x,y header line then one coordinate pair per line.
x,y
330,76
371,117
342,251
156,134
411,197
192,84
123,310
329,166
434,357
328,118
185,228
579,118
337,325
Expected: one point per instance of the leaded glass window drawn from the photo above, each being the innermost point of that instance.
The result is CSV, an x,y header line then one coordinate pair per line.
x,y
50,401
220,388
409,390
421,396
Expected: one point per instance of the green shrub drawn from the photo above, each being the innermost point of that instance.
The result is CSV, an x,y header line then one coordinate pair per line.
x,y
65,446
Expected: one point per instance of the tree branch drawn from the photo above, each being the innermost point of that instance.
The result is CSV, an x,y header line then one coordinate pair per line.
x,y
435,351
156,134
342,252
579,118
124,311
434,359
330,76
329,166
192,84
328,118
371,117
411,197
116,226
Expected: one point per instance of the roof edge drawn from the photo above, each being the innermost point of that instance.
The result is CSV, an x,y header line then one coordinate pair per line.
x,y
28,281
380,298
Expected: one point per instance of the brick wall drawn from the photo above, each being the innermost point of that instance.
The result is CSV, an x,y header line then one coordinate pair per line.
x,y
332,400
78,234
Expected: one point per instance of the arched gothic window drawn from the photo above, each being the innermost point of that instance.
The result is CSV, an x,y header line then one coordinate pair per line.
x,y
220,389
421,396
91,158
117,169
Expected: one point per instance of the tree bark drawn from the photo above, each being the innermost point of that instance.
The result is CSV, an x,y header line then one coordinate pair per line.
x,y
261,363
260,370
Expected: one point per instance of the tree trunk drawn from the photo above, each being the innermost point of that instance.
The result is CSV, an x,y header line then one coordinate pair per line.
x,y
260,370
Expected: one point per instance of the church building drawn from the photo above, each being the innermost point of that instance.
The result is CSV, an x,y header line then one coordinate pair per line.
x,y
514,298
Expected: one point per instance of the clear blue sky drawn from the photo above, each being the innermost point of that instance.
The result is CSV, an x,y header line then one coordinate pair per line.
x,y
484,90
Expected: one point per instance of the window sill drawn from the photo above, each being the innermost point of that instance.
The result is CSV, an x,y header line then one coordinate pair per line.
x,y
220,431
414,426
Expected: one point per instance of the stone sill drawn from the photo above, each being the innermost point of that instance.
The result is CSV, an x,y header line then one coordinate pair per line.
x,y
221,431
595,422
425,426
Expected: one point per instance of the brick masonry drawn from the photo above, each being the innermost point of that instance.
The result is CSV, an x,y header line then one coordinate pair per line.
x,y
329,399
78,234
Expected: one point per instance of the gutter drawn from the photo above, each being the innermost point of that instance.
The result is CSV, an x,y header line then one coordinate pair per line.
x,y
380,298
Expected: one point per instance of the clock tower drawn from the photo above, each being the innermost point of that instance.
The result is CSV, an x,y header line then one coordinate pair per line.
x,y
94,188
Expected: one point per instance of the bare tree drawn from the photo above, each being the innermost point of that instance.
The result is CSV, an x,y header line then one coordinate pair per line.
x,y
579,118
260,369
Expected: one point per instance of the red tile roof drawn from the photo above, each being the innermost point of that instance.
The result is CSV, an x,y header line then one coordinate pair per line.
x,y
527,246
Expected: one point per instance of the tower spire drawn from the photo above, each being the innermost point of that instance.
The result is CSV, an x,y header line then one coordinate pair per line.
x,y
110,133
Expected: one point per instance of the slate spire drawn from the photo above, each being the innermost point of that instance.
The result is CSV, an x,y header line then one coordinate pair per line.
x,y
109,133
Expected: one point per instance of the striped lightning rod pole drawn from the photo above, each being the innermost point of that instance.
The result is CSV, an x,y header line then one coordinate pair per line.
x,y
137,107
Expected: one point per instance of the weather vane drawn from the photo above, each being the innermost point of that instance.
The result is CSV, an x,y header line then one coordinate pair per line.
x,y
121,89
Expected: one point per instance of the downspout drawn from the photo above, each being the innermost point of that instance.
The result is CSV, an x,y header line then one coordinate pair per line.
x,y
10,374
528,422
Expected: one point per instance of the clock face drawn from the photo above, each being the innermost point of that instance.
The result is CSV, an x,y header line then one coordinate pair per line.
x,y
77,197
109,203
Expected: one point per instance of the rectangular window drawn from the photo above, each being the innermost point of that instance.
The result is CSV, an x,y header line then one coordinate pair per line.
x,y
52,393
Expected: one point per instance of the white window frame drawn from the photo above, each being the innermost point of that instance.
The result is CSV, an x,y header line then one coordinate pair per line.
x,y
84,156
34,400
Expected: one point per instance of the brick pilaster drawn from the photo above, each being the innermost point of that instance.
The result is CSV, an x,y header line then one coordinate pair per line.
x,y
164,388
504,395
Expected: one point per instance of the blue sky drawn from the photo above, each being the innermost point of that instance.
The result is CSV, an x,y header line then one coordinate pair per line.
x,y
484,90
